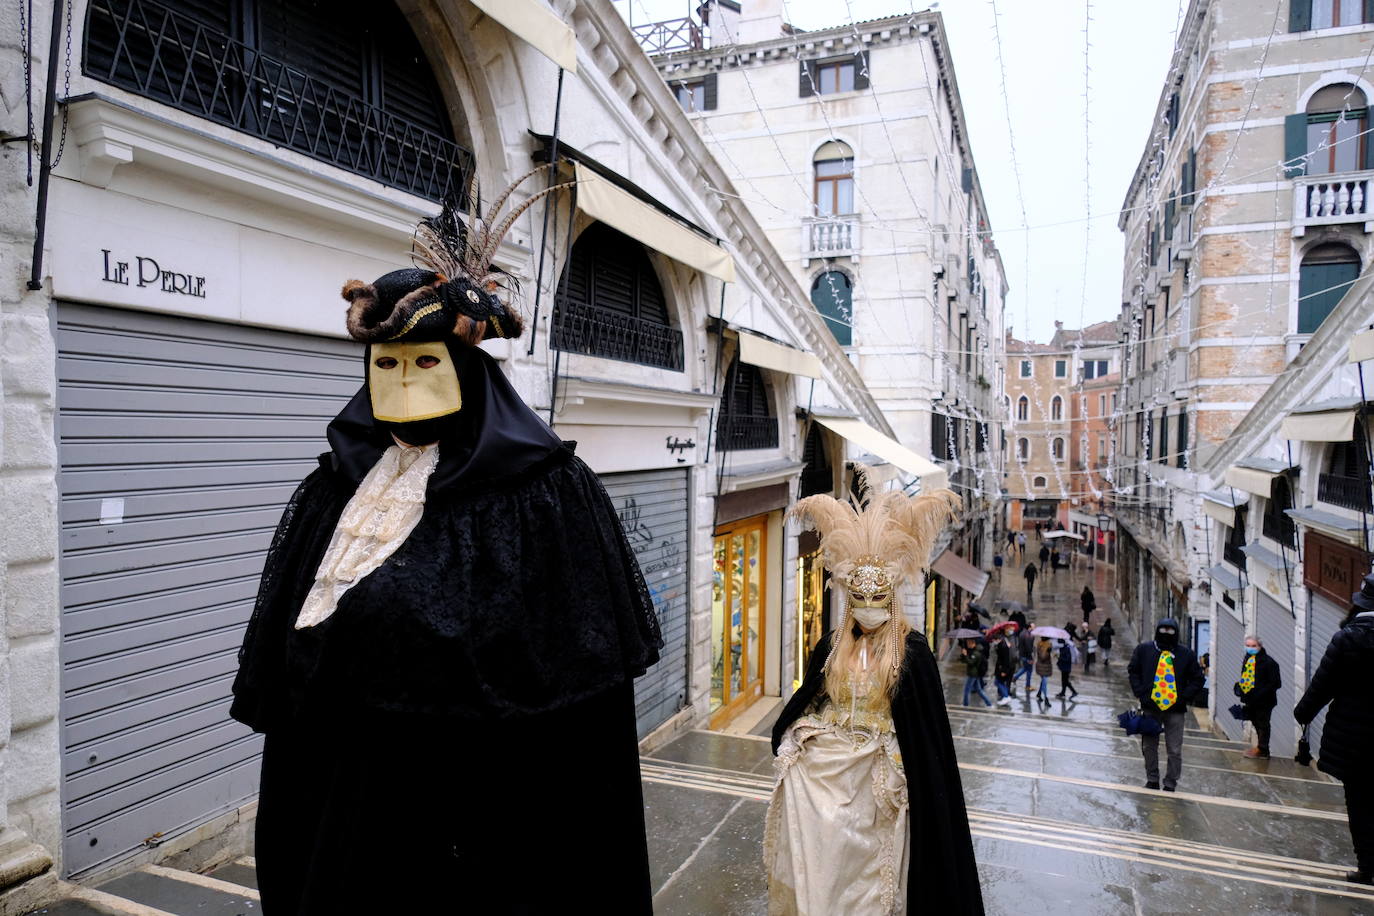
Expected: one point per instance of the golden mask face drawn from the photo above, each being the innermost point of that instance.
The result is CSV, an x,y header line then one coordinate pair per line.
x,y
412,381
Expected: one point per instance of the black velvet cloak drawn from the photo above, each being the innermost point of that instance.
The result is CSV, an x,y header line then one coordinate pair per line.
x,y
467,711
943,874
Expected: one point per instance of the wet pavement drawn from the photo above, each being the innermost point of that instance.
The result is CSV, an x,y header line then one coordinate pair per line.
x,y
1061,821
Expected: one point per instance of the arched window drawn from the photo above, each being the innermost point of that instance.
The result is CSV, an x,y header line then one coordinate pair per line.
x,y
1336,120
1022,408
346,83
832,293
834,164
1057,448
1023,450
746,412
610,303
1038,482
1326,274
817,475
1056,408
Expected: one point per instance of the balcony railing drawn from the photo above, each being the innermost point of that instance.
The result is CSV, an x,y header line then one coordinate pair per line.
x,y
736,433
1321,200
1232,554
581,328
830,236
669,35
169,57
1347,492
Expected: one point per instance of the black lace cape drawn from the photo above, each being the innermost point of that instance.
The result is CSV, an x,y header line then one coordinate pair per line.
x,y
516,594
943,874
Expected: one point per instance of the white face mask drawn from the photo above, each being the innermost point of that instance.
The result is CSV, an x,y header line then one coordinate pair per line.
x,y
870,617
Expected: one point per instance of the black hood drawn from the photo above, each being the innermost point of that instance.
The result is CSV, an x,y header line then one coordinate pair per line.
x,y
495,435
1165,640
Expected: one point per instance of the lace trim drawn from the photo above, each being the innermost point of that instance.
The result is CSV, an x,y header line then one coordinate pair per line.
x,y
377,520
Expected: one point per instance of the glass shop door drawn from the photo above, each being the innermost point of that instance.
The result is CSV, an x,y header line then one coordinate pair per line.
x,y
739,577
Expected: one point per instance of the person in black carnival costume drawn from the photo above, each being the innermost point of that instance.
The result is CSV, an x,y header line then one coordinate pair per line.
x,y
865,758
1347,744
445,637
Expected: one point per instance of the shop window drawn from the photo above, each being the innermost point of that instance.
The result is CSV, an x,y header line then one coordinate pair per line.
x,y
746,419
344,83
832,293
1325,276
611,304
739,580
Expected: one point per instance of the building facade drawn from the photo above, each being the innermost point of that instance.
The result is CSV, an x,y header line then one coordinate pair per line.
x,y
879,216
174,347
1097,378
1246,223
1038,400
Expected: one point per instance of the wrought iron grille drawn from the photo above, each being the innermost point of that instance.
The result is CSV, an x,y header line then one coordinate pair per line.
x,y
581,328
168,56
1348,492
735,433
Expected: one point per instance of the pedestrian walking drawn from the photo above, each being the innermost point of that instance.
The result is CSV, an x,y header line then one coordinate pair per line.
x,y
1347,745
1089,649
1088,601
1044,667
975,661
1003,669
1258,689
1164,677
1018,617
1020,545
1025,645
1044,556
997,565
1065,664
1011,542
867,813
1105,634
1030,575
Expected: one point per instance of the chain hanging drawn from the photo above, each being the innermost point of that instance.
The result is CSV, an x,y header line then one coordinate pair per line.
x,y
66,88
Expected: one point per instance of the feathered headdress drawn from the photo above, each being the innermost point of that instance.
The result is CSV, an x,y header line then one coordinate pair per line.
x,y
454,289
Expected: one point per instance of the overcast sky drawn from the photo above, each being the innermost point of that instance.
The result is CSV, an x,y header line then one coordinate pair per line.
x,y
1043,51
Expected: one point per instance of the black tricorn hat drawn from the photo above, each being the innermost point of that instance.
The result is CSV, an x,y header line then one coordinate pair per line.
x,y
1364,598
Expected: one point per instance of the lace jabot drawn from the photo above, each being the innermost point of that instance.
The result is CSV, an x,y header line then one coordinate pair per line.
x,y
377,520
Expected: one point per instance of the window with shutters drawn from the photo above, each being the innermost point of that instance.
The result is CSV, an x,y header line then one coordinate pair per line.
x,y
1276,523
1326,274
1164,436
939,437
746,418
610,303
1346,481
832,75
832,293
1061,368
345,82
1025,368
817,475
696,94
1328,14
1235,540
1183,438
1336,122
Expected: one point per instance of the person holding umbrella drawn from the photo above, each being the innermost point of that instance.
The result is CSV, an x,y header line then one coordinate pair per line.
x,y
1347,744
1044,667
1258,689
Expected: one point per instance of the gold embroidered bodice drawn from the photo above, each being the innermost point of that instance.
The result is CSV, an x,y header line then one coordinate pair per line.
x,y
859,707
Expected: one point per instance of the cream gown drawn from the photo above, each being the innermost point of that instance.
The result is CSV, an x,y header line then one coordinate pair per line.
x,y
836,837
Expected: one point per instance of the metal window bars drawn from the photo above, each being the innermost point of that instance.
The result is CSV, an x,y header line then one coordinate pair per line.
x,y
594,331
168,56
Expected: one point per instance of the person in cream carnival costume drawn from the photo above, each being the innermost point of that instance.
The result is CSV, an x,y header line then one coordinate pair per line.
x,y
868,816
446,634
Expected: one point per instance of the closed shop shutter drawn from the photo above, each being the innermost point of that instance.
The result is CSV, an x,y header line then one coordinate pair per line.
x,y
1226,668
180,441
1326,620
653,508
1278,633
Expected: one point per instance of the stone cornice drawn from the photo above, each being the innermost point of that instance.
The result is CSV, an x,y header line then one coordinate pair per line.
x,y
808,45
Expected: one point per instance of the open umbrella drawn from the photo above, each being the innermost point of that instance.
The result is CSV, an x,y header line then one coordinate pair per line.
x,y
1050,535
979,610
962,633
1006,604
1051,632
1006,624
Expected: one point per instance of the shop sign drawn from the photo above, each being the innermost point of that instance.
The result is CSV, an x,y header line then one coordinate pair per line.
x,y
1332,569
144,271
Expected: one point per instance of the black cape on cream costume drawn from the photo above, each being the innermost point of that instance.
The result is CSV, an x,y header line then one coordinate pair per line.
x,y
459,735
943,874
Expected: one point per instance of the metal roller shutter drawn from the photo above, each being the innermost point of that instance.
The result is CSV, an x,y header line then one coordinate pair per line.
x,y
1278,633
180,441
1326,620
653,508
1226,668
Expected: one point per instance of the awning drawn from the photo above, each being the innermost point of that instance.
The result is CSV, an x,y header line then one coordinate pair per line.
x,y
538,25
1228,579
602,200
933,477
961,572
1255,475
1228,498
756,351
1319,426
1224,514
1362,347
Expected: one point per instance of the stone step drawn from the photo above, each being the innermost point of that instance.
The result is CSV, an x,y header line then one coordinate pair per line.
x,y
154,890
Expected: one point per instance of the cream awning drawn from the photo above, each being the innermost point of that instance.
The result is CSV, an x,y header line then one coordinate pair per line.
x,y
1251,480
933,477
602,200
1224,514
538,25
961,572
1326,426
1362,346
756,351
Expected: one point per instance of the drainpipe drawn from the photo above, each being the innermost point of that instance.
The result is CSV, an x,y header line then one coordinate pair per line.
x,y
45,166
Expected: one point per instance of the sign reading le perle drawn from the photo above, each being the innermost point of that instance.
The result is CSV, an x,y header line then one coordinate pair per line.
x,y
146,271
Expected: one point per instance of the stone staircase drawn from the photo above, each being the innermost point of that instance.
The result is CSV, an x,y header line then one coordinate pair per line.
x,y
154,890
